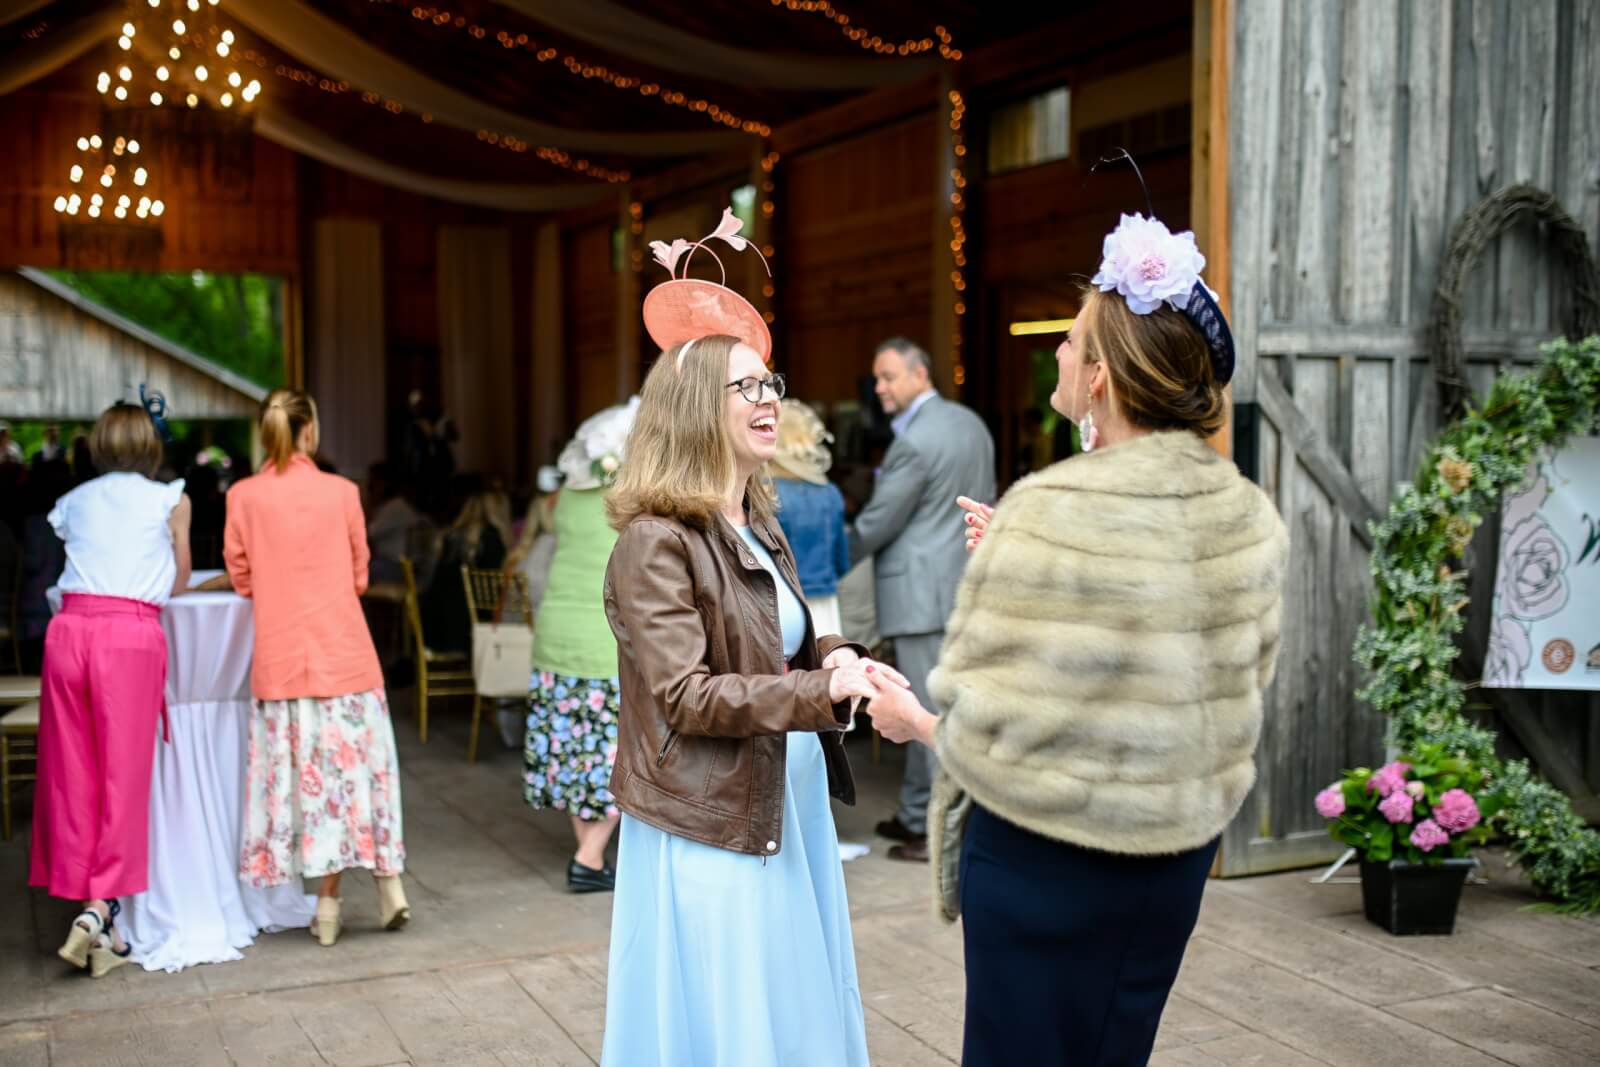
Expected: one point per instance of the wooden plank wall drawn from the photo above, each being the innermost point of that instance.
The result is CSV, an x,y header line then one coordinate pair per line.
x,y
64,364
1360,132
589,318
852,241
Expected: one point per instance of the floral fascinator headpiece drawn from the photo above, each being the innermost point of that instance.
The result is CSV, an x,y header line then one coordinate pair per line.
x,y
594,455
1148,265
686,309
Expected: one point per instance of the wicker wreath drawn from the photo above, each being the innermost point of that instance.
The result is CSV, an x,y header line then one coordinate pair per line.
x,y
1496,214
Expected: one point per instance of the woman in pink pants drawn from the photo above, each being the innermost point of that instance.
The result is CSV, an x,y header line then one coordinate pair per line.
x,y
105,670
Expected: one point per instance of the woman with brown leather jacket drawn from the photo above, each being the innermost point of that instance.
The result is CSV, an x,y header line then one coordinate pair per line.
x,y
730,939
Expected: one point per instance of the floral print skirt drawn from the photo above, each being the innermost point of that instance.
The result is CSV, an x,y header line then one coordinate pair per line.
x,y
323,790
571,744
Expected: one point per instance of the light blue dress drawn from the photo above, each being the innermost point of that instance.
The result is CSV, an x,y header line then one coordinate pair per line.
x,y
721,959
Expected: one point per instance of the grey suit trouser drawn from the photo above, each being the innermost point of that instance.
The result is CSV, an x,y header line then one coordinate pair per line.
x,y
916,656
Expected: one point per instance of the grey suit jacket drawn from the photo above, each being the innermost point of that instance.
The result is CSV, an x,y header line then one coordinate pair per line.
x,y
912,525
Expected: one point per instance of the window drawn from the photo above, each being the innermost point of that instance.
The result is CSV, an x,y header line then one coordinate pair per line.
x,y
1029,132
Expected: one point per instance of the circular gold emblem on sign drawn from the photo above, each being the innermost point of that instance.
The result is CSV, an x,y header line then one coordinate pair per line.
x,y
1558,655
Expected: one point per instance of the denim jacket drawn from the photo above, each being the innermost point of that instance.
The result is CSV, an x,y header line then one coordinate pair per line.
x,y
812,517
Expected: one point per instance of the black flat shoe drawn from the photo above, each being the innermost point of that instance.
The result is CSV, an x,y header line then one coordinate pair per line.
x,y
895,830
581,879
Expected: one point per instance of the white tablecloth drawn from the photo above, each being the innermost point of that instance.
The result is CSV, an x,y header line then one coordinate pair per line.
x,y
196,910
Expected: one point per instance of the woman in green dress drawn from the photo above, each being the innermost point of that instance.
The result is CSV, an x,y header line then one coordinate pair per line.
x,y
571,740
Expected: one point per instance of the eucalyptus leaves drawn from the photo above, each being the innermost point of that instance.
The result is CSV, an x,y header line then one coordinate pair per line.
x,y
1420,598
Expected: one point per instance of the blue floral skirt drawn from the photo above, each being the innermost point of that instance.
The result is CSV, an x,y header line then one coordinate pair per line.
x,y
571,744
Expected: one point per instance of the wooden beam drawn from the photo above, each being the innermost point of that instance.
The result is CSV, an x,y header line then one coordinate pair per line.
x,y
856,115
942,295
1315,454
1208,191
1090,29
1393,342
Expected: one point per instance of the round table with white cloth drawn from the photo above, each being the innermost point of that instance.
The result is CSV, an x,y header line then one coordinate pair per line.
x,y
196,910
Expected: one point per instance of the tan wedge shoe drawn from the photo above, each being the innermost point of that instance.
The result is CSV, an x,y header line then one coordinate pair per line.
x,y
325,927
103,958
80,938
392,902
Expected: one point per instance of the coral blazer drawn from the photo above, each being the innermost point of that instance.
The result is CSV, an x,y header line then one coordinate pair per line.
x,y
296,543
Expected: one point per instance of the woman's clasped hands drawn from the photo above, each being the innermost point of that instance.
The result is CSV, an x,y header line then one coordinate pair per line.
x,y
977,519
854,677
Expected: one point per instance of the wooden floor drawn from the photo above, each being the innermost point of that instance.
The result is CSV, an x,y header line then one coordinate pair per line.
x,y
502,966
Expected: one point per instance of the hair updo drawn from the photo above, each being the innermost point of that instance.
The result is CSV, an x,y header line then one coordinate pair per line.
x,y
1159,365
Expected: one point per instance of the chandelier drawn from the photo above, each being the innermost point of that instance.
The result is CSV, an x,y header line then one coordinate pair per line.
x,y
174,81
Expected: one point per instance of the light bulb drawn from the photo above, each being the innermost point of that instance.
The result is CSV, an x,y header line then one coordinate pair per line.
x,y
94,140
111,170
72,209
192,100
227,35
194,5
155,99
124,43
161,73
222,48
133,146
174,53
94,212
200,72
227,100
140,176
157,208
121,143
127,29
234,79
103,84
254,87
105,179
61,203
77,173
124,73
124,200
121,93
122,212
178,27
83,144
96,200
144,203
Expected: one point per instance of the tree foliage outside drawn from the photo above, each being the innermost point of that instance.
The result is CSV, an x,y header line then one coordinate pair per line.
x,y
233,320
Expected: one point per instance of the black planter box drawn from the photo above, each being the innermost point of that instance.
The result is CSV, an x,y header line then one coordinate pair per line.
x,y
1409,898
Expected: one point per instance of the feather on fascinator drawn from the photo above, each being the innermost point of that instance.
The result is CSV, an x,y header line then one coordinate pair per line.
x,y
1148,265
686,309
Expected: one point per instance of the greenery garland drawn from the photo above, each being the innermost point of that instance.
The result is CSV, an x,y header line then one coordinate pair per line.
x,y
1419,603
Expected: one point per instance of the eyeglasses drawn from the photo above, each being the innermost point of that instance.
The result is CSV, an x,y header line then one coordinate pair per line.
x,y
750,388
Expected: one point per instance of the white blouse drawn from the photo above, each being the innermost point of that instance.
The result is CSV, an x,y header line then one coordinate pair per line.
x,y
117,538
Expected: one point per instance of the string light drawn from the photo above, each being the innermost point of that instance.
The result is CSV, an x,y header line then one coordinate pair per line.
x,y
958,232
871,41
507,40
769,166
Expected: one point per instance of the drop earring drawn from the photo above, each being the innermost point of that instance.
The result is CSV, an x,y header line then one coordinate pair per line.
x,y
1088,433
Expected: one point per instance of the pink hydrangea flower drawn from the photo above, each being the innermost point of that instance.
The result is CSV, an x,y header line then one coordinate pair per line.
x,y
1457,811
1396,807
1330,802
1389,778
1427,835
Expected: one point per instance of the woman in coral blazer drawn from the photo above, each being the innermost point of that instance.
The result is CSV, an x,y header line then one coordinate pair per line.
x,y
324,784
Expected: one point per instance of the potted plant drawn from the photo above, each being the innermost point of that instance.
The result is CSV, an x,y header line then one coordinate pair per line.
x,y
1414,823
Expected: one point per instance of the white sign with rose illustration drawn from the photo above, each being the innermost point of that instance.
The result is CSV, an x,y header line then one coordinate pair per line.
x,y
1546,630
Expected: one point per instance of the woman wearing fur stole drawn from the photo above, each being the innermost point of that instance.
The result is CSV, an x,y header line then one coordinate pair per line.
x,y
1102,679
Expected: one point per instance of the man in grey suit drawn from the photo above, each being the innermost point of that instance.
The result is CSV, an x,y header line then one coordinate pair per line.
x,y
917,536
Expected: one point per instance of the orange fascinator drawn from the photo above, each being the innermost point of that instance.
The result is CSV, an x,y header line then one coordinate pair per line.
x,y
686,309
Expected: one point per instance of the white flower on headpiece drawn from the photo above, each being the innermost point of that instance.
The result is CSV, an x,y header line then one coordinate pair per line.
x,y
596,452
728,229
668,255
1149,264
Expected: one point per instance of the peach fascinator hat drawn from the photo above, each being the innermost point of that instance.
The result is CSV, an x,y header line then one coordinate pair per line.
x,y
683,310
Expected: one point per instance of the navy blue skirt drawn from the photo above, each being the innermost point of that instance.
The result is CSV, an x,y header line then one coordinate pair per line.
x,y
1070,952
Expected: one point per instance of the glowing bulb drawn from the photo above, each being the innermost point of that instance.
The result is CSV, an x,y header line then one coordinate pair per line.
x,y
123,200
192,100
234,79
253,88
161,73
94,212
133,146
77,173
194,5
94,140
200,72
227,35
227,100
155,99
61,203
127,29
120,146
222,48
83,144
144,203
174,53
157,208
111,170
104,83
96,200
140,176
124,73
121,93
178,27
124,43
122,212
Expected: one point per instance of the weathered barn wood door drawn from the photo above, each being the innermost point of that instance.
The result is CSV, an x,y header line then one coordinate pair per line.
x,y
1359,131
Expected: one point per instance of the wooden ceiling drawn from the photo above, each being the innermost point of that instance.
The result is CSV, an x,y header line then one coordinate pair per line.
x,y
516,79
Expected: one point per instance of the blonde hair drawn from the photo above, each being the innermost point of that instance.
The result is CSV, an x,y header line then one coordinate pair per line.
x,y
1159,365
541,519
284,414
124,438
678,462
477,515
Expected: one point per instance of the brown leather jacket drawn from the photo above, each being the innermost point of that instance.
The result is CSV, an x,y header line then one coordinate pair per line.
x,y
706,701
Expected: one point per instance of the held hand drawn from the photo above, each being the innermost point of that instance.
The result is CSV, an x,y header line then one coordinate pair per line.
x,y
842,656
860,680
897,715
977,518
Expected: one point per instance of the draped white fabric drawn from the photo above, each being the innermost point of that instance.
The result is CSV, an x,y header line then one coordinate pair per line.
x,y
344,54
196,910
346,359
474,269
626,31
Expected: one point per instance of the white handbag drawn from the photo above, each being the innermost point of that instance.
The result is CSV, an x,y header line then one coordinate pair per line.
x,y
502,658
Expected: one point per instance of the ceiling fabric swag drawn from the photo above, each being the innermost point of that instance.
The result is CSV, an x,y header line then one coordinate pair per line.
x,y
32,60
306,139
340,53
626,32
